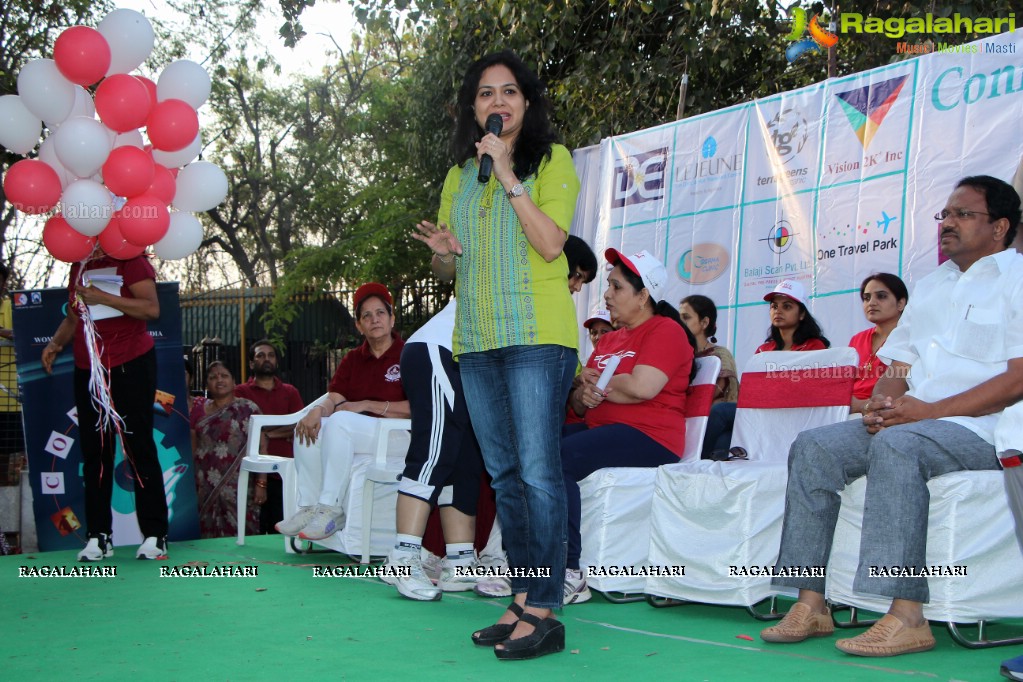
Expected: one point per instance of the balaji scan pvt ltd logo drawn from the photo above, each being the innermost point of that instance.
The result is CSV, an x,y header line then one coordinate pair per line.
x,y
819,40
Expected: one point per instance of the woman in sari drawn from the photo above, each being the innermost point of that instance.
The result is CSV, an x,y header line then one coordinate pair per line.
x,y
220,424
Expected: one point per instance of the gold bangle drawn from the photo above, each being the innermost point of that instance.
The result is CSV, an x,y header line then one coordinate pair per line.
x,y
260,484
386,407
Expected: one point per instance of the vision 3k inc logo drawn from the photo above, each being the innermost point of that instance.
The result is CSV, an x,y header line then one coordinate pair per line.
x,y
820,39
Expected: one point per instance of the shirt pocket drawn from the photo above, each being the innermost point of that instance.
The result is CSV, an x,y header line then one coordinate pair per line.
x,y
980,335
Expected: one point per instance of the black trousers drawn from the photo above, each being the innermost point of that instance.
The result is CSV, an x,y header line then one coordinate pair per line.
x,y
132,387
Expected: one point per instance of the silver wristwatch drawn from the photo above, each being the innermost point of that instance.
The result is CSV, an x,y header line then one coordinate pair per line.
x,y
517,190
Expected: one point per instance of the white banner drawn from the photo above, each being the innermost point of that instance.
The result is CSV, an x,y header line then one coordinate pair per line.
x,y
824,185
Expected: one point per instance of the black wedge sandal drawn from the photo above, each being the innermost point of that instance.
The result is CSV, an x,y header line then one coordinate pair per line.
x,y
495,634
547,638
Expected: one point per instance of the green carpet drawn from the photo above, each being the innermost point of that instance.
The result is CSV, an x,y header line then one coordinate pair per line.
x,y
286,624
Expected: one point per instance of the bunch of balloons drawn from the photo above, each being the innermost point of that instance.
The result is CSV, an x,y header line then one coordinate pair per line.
x,y
107,184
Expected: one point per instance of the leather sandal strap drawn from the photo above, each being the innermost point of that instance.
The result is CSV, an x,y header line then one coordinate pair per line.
x,y
515,609
530,618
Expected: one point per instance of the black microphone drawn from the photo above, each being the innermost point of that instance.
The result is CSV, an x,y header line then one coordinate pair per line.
x,y
494,125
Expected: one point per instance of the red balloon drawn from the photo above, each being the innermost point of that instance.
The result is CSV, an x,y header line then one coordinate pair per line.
x,y
64,242
144,220
172,125
150,86
163,186
32,186
128,171
113,242
82,55
123,102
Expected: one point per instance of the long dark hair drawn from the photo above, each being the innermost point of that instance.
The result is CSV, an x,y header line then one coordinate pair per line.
x,y
806,329
537,135
664,309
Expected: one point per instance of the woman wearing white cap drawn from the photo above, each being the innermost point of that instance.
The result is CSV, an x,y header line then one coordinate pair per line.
x,y
638,418
792,328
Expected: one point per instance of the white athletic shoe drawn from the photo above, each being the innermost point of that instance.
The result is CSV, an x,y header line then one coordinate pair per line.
x,y
98,548
409,578
326,521
576,591
432,564
297,522
453,580
494,585
152,548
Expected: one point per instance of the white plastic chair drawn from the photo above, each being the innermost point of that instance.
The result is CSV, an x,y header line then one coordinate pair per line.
x,y
256,462
615,523
369,501
710,516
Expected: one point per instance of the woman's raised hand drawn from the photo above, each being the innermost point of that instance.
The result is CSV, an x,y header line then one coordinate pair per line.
x,y
438,238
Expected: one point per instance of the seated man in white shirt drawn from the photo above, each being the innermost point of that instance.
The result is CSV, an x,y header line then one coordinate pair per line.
x,y
956,361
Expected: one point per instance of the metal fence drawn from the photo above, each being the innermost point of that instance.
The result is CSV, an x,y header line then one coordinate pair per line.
x,y
222,324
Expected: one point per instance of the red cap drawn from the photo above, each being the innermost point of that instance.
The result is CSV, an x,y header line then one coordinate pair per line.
x,y
371,289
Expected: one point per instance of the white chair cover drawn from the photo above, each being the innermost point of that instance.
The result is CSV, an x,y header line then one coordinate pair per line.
x,y
711,516
785,392
969,525
615,524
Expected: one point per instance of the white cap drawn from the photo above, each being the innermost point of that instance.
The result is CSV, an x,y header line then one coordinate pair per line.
x,y
788,287
643,264
598,316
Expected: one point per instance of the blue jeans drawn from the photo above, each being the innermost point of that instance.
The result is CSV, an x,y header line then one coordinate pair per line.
x,y
584,450
719,429
516,398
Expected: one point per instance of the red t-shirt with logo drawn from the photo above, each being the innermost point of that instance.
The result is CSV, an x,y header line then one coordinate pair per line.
x,y
122,338
660,343
362,376
281,399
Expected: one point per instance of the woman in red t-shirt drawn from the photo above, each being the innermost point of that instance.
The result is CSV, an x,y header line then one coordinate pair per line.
x,y
792,328
884,297
365,387
638,419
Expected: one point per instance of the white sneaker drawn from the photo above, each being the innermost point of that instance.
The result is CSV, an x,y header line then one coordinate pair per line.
x,y
325,521
152,548
493,586
409,577
98,548
576,591
432,564
297,522
453,580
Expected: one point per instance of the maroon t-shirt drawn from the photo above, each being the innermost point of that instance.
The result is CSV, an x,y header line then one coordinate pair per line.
x,y
122,338
362,376
281,399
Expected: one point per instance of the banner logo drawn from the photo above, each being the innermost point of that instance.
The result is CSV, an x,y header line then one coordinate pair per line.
x,y
819,40
780,237
639,178
703,263
867,107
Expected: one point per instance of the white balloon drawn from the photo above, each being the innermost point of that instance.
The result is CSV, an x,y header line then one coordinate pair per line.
x,y
83,106
131,138
44,91
131,39
83,144
48,155
184,80
200,187
87,207
19,127
180,157
182,239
